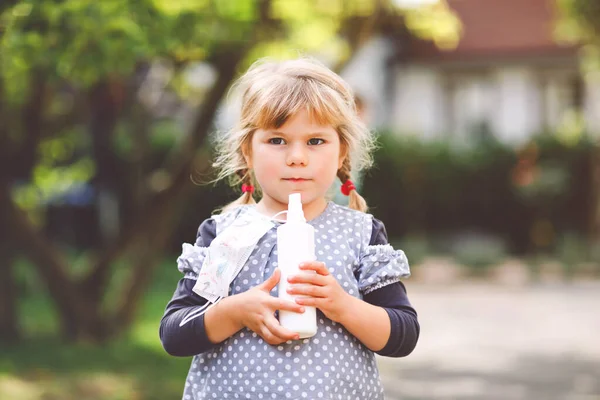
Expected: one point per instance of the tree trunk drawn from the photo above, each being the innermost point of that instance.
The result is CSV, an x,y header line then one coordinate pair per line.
x,y
9,328
104,111
150,249
162,212
157,216
78,317
594,228
33,124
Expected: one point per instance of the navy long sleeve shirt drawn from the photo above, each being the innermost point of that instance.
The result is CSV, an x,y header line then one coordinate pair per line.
x,y
191,339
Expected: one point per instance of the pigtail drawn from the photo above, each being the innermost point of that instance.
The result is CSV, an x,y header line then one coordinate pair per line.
x,y
246,181
355,200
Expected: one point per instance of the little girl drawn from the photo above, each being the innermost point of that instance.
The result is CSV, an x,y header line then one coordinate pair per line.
x,y
298,131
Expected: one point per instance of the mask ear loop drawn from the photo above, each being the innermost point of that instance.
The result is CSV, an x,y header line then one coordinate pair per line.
x,y
198,312
273,218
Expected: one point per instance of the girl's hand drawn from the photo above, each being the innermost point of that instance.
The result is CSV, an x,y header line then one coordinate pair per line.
x,y
324,290
256,311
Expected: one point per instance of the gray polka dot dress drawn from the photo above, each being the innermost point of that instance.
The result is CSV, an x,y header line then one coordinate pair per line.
x,y
333,364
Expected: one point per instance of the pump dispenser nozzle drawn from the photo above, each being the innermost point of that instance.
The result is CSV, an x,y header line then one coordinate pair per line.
x,y
295,213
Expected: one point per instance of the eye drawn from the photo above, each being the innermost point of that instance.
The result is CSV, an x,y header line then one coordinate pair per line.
x,y
276,141
315,141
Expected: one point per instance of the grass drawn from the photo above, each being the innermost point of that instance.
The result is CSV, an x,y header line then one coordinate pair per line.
x,y
43,367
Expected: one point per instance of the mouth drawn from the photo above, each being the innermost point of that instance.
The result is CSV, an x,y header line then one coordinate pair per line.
x,y
296,180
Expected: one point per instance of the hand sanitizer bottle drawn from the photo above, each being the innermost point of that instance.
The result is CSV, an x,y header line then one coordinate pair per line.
x,y
295,244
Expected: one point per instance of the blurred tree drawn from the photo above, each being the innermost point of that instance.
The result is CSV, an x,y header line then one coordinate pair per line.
x,y
579,23
83,86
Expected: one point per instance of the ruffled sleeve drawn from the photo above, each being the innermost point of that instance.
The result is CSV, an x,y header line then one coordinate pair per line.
x,y
379,266
191,259
192,256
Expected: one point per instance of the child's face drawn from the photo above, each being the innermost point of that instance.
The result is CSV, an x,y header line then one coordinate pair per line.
x,y
299,157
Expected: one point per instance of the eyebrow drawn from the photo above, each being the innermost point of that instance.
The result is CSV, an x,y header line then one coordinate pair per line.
x,y
318,133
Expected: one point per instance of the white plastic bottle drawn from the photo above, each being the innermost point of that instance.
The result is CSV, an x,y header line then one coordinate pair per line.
x,y
295,244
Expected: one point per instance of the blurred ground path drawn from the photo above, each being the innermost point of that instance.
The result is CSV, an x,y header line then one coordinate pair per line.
x,y
481,341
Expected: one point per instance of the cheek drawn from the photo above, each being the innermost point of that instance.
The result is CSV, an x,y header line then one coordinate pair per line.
x,y
266,164
329,164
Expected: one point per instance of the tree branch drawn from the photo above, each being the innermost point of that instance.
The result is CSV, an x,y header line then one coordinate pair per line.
x,y
160,204
32,116
9,327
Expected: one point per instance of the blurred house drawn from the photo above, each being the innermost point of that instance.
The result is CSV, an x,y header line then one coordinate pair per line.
x,y
507,77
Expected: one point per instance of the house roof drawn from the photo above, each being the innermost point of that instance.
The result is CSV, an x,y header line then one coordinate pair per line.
x,y
499,29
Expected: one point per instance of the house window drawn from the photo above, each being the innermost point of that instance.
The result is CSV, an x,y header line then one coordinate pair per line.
x,y
471,100
563,92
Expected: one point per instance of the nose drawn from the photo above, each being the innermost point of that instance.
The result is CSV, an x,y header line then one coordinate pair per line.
x,y
297,155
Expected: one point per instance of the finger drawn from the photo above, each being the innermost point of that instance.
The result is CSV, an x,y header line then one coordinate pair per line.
x,y
310,278
316,302
269,337
279,331
286,305
317,266
307,290
271,282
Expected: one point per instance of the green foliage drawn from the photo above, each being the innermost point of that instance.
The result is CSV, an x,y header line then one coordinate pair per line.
x,y
523,196
163,135
82,41
78,43
579,23
580,19
136,366
436,22
60,168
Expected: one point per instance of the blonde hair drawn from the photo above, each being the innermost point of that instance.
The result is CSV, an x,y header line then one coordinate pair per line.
x,y
272,92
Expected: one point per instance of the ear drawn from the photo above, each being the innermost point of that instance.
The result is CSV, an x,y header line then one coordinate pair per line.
x,y
343,155
247,153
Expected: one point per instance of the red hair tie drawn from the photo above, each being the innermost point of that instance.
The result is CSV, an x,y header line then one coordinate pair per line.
x,y
347,187
247,188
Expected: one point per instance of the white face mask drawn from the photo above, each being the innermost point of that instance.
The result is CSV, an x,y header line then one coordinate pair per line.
x,y
227,255
225,258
